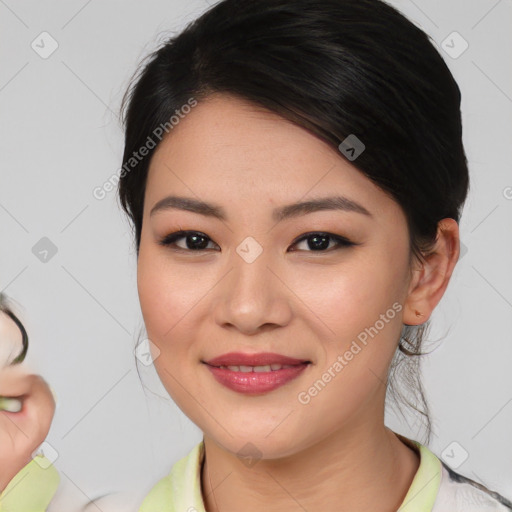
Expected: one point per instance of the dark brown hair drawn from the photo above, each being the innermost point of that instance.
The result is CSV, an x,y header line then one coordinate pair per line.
x,y
336,68
7,309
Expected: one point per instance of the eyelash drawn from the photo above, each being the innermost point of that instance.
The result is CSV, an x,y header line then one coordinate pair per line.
x,y
170,240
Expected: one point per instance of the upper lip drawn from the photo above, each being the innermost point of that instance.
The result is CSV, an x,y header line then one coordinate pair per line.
x,y
261,359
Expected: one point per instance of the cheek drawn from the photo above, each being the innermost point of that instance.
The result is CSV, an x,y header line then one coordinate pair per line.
x,y
348,297
173,300
162,304
163,294
167,300
149,291
159,291
359,305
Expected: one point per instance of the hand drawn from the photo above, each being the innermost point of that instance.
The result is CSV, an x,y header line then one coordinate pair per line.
x,y
22,432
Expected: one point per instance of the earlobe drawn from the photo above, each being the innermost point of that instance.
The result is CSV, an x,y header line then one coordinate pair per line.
x,y
431,279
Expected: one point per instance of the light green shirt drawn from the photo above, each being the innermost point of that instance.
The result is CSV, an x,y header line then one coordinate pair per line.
x,y
180,491
435,487
32,488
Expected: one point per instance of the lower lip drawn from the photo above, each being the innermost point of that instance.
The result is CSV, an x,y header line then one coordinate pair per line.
x,y
256,382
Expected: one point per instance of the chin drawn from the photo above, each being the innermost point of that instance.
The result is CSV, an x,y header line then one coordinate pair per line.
x,y
251,448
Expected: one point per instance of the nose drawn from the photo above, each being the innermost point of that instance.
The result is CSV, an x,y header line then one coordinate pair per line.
x,y
253,297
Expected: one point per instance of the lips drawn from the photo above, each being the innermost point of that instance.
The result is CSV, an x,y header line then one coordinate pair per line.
x,y
261,359
255,374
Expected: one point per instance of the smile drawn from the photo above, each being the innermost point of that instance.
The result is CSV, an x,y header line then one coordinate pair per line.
x,y
265,368
256,379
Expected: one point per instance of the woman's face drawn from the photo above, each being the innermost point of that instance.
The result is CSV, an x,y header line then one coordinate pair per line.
x,y
252,283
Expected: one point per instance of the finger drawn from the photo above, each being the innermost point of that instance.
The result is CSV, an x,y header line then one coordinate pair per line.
x,y
13,380
38,404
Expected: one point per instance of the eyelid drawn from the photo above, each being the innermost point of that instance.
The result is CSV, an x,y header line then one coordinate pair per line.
x,y
334,236
171,238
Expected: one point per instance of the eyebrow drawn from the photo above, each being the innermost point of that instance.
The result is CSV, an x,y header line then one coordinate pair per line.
x,y
278,214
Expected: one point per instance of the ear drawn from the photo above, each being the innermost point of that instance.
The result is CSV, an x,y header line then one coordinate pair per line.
x,y
430,278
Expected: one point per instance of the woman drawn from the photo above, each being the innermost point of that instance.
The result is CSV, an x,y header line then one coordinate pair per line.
x,y
295,174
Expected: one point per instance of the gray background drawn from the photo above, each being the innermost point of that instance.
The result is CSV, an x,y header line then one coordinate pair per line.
x,y
60,138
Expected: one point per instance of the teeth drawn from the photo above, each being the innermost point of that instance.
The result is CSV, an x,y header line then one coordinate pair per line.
x,y
244,369
265,368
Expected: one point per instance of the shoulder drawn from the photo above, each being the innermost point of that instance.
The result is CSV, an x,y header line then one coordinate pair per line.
x,y
458,493
180,490
438,488
160,495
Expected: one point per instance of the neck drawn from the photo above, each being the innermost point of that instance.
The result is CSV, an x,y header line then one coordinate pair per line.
x,y
337,470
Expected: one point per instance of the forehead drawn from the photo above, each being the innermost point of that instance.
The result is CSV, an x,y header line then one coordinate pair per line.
x,y
228,147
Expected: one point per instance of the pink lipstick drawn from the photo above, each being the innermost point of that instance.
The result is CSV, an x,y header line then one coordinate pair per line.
x,y
255,373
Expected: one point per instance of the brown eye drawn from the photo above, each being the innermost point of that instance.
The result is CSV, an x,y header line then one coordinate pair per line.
x,y
319,242
194,240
